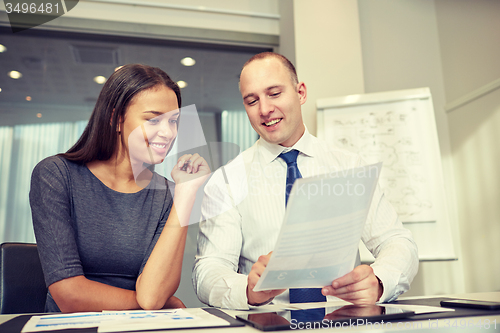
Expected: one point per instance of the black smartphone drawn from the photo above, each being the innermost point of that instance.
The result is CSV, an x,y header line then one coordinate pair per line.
x,y
467,303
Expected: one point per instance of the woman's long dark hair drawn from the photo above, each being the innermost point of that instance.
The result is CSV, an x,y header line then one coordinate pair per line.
x,y
99,139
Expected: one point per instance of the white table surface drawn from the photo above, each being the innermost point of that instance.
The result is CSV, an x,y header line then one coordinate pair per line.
x,y
423,326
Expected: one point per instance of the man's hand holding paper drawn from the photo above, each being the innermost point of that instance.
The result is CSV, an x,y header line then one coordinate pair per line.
x,y
318,242
360,286
260,297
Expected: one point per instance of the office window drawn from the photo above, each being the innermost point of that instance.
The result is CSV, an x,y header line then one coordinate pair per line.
x,y
50,82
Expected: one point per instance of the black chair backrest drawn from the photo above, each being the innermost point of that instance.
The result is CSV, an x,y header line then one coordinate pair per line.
x,y
22,285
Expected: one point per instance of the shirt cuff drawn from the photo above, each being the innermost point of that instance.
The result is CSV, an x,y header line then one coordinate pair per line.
x,y
236,296
256,306
388,284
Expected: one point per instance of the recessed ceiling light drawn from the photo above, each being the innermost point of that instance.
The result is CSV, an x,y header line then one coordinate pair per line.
x,y
0,89
100,79
15,74
28,98
39,115
182,84
2,48
188,61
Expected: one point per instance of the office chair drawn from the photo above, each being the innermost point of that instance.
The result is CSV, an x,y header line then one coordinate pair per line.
x,y
22,285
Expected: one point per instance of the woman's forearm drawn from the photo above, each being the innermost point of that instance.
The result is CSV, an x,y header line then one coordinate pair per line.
x,y
161,275
79,294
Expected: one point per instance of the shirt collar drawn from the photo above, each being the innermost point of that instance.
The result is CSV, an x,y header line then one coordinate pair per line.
x,y
270,150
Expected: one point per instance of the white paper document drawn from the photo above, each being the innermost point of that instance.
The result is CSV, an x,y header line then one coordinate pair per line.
x,y
419,309
323,223
122,321
182,318
66,321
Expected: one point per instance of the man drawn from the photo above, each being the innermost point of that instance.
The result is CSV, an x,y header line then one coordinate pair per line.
x,y
235,242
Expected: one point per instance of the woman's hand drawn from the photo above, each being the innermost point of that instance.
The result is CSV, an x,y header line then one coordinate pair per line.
x,y
190,171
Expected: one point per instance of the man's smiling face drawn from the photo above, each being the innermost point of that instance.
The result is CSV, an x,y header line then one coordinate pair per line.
x,y
272,101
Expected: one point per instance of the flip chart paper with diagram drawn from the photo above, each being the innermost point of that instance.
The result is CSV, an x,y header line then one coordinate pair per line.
x,y
397,134
324,220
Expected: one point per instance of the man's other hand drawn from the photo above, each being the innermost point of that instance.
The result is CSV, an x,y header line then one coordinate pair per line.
x,y
360,286
260,297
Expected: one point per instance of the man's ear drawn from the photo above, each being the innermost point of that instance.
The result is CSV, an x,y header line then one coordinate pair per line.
x,y
302,92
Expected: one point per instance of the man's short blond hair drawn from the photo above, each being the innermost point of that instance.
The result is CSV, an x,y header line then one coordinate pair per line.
x,y
287,63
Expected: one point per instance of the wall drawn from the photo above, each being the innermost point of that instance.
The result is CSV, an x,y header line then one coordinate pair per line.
x,y
327,51
257,16
401,50
469,32
475,138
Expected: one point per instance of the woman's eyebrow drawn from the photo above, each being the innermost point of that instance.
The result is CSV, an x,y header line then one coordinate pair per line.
x,y
159,113
153,112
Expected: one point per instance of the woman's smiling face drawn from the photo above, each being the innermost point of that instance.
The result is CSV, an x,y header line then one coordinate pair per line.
x,y
150,125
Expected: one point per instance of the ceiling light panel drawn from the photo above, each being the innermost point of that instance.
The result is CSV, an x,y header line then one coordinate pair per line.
x,y
188,61
15,75
99,79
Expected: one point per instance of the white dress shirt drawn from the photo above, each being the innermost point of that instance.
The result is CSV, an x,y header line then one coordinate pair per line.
x,y
243,210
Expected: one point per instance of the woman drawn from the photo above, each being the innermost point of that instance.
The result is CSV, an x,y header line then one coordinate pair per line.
x,y
109,234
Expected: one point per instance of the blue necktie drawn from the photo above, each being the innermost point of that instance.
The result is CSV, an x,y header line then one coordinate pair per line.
x,y
292,171
300,295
